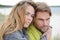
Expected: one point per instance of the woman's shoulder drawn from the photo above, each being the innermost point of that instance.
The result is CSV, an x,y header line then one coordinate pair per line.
x,y
13,36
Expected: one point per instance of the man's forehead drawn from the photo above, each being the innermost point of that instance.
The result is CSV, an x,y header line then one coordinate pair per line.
x,y
43,15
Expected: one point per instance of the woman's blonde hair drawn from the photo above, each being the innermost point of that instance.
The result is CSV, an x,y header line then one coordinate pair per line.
x,y
16,19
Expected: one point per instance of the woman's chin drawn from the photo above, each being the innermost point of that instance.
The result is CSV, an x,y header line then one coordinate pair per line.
x,y
26,26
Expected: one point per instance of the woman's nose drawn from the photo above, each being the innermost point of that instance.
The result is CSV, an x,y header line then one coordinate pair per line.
x,y
29,18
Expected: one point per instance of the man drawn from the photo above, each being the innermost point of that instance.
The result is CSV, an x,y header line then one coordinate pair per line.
x,y
41,29
42,20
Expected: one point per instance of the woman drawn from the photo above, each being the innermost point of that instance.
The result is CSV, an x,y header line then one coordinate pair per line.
x,y
19,19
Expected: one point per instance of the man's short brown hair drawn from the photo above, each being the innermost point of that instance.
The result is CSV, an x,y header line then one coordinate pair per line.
x,y
42,7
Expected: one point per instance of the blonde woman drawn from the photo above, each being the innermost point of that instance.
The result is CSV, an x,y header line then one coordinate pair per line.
x,y
21,16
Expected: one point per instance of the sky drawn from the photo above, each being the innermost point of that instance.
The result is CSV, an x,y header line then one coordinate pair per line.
x,y
49,2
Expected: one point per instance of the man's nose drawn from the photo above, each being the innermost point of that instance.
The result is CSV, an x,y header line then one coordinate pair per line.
x,y
45,22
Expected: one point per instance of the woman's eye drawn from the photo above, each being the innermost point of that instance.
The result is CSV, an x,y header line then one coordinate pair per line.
x,y
32,16
27,13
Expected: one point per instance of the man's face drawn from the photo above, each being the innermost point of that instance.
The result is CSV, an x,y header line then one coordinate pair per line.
x,y
42,21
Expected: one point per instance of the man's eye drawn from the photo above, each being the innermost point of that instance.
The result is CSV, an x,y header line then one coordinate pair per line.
x,y
48,19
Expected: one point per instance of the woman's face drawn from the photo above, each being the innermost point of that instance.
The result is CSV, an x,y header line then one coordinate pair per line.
x,y
29,16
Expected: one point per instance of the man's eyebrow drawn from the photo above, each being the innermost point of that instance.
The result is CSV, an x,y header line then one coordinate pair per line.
x,y
43,19
47,18
40,19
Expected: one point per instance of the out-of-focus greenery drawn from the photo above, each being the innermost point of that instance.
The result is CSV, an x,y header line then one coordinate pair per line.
x,y
57,37
3,6
2,18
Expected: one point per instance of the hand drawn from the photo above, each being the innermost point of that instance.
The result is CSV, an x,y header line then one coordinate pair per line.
x,y
49,33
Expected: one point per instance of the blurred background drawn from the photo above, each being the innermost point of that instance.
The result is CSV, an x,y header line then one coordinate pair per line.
x,y
7,5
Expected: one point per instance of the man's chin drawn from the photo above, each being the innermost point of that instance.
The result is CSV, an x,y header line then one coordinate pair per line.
x,y
44,29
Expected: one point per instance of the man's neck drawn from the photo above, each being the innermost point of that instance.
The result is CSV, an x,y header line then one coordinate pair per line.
x,y
40,30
